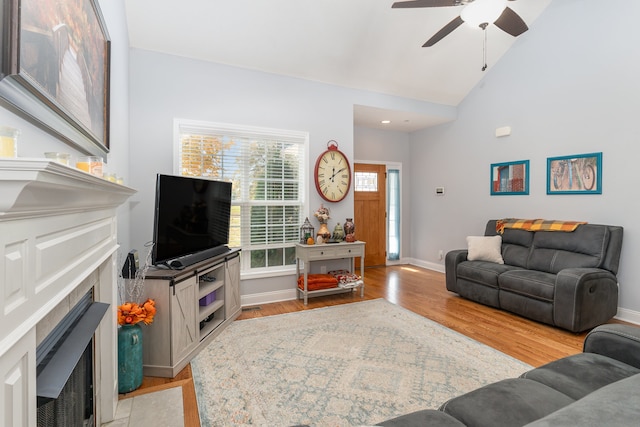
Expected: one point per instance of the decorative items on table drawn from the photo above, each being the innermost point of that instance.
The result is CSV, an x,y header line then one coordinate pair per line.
x,y
346,279
306,232
323,234
130,314
333,279
338,233
349,230
317,282
322,214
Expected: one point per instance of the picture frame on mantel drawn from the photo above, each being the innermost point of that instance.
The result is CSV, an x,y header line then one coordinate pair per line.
x,y
55,69
510,178
575,174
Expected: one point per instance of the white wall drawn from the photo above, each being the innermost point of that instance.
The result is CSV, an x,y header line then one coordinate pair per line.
x,y
118,161
568,86
34,142
164,87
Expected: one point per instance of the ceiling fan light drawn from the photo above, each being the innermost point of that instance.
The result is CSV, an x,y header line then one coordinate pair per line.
x,y
483,11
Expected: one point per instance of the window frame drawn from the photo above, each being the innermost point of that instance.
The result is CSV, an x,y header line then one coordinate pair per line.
x,y
182,126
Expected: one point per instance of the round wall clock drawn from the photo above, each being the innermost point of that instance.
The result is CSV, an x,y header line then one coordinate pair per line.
x,y
332,174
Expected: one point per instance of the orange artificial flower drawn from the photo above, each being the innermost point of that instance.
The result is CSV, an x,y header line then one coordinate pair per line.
x,y
131,313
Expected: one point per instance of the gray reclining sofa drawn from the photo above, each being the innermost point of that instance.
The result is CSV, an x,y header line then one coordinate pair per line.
x,y
565,279
596,388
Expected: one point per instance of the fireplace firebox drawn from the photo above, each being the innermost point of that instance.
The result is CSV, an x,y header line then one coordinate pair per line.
x,y
65,367
75,404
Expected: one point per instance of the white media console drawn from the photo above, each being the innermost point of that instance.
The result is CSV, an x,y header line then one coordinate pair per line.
x,y
193,306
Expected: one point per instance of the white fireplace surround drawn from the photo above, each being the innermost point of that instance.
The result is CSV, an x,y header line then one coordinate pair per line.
x,y
58,238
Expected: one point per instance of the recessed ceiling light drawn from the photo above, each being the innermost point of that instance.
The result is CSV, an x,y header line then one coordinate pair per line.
x,y
385,122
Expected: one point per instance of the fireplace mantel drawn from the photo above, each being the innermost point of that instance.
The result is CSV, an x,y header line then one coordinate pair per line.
x,y
57,229
32,187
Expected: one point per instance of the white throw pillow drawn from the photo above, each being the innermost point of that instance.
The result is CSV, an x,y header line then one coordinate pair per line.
x,y
485,248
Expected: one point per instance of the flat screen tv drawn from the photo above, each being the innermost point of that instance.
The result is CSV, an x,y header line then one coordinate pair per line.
x,y
191,221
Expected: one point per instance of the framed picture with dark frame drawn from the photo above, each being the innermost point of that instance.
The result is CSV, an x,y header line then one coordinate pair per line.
x,y
510,178
55,66
575,174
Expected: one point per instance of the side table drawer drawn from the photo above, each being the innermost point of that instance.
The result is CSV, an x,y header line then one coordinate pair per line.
x,y
348,252
321,253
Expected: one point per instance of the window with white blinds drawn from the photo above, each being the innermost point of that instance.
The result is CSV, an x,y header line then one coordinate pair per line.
x,y
268,173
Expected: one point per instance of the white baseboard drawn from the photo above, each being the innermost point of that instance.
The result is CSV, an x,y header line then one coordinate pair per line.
x,y
426,264
268,297
627,315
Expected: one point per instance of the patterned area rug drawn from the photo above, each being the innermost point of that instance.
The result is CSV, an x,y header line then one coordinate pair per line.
x,y
353,364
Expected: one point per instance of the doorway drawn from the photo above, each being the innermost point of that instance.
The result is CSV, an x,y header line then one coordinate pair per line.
x,y
370,211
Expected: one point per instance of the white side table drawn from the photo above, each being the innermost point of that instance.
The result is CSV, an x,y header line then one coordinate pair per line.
x,y
325,252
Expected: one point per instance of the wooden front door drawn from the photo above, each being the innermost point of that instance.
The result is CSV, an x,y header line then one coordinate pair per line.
x,y
370,212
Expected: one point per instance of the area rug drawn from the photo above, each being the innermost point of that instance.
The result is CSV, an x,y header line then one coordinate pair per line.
x,y
347,365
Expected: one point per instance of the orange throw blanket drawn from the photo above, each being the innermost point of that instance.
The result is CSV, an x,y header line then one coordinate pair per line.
x,y
316,282
536,225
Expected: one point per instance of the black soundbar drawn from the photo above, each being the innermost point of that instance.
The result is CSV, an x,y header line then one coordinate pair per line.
x,y
187,260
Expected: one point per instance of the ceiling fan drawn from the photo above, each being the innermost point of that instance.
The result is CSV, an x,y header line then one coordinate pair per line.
x,y
479,13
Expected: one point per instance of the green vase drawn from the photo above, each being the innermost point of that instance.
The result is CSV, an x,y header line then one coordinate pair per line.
x,y
129,358
338,233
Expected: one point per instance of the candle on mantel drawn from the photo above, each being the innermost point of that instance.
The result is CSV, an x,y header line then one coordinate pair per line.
x,y
91,164
9,142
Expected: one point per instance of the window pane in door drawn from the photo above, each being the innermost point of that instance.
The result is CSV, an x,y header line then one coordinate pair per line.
x,y
366,181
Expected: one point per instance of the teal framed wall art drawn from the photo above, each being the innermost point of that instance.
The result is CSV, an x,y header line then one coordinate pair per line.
x,y
575,174
510,178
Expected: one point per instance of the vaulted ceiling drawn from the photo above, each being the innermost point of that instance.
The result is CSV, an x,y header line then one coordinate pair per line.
x,y
361,44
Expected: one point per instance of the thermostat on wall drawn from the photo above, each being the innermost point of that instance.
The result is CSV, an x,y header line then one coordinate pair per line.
x,y
439,191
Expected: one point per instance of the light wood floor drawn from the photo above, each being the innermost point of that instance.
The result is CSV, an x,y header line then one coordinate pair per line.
x,y
423,292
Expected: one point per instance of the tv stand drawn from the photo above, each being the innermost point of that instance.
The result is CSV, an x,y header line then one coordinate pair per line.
x,y
194,304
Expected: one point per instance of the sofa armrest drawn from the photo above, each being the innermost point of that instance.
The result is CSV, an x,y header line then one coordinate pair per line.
x,y
620,342
451,261
423,418
584,298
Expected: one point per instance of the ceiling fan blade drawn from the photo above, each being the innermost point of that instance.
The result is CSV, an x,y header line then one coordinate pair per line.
x,y
510,22
424,3
444,32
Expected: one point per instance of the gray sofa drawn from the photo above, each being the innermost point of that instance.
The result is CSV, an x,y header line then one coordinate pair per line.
x,y
565,279
599,387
